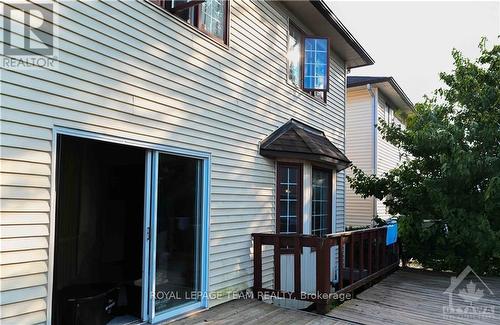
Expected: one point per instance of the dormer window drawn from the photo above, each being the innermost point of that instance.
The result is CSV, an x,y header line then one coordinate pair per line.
x,y
209,16
308,62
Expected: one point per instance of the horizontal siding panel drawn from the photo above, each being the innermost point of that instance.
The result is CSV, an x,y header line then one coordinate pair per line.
x,y
24,205
20,167
22,218
24,231
13,192
14,141
240,231
18,295
25,130
14,270
24,154
245,267
239,212
23,281
19,244
25,180
223,190
227,220
22,308
242,224
31,318
23,256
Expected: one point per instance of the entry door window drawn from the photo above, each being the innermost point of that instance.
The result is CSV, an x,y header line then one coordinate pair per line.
x,y
321,202
178,231
289,205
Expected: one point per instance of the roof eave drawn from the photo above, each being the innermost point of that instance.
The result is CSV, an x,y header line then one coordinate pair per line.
x,y
316,158
328,14
392,82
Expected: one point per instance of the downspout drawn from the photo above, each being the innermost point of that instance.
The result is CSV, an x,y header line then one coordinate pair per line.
x,y
374,94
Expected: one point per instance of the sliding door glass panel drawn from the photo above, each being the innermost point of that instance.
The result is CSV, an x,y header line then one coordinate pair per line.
x,y
178,232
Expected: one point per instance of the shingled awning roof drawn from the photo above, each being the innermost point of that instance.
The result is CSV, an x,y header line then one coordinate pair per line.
x,y
297,140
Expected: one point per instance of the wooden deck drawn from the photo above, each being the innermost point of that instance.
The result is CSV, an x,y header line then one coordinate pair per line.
x,y
410,297
405,297
255,312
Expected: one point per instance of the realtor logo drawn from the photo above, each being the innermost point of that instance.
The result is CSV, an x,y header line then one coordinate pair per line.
x,y
468,297
29,34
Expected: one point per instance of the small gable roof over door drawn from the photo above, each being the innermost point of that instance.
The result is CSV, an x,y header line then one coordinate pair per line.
x,y
297,140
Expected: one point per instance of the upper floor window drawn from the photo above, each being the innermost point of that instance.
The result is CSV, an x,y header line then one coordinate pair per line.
x,y
295,55
308,62
209,16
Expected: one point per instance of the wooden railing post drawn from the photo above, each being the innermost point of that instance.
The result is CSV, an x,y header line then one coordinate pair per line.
x,y
322,275
370,251
351,259
296,265
257,266
319,267
377,250
277,263
384,248
361,255
341,262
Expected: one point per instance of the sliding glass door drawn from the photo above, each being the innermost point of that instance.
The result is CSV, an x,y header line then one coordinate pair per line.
x,y
177,257
103,217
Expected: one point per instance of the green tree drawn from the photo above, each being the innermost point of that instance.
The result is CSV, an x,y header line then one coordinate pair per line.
x,y
448,192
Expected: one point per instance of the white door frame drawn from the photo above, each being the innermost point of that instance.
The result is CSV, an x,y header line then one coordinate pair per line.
x,y
150,147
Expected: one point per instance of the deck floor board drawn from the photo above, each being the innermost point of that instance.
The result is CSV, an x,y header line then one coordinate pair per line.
x,y
412,297
404,297
254,312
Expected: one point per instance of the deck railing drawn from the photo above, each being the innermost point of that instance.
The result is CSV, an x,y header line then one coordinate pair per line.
x,y
357,257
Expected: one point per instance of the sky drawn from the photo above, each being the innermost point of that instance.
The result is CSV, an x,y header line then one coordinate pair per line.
x,y
412,40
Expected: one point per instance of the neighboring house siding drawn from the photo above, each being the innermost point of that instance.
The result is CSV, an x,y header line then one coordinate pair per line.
x,y
359,149
387,155
134,72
